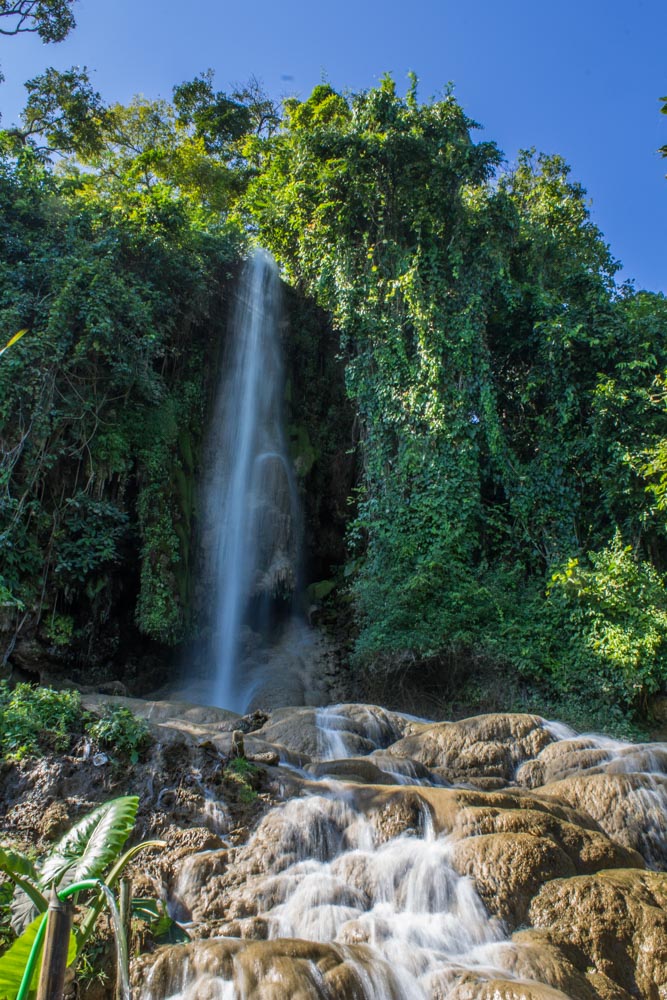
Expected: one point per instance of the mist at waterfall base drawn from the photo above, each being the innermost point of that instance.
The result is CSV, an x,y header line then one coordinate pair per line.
x,y
251,512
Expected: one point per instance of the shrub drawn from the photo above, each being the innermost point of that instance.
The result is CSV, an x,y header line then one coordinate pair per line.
x,y
604,629
121,732
36,720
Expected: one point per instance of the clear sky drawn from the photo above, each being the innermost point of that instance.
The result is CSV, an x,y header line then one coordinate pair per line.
x,y
581,78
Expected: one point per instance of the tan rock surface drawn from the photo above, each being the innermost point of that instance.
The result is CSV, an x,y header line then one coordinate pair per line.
x,y
613,924
486,746
630,808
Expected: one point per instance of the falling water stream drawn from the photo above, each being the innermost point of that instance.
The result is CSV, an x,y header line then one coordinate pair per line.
x,y
122,962
251,507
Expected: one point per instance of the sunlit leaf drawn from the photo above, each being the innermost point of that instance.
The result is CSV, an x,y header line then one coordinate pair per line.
x,y
14,961
14,339
92,844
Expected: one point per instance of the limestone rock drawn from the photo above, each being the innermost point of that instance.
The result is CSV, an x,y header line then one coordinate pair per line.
x,y
613,923
532,955
582,754
630,808
484,747
360,729
508,869
194,873
358,769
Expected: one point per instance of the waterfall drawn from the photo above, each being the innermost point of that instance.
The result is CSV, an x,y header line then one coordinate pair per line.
x,y
251,510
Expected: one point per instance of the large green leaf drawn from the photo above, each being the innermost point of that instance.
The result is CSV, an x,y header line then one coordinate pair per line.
x,y
15,959
24,908
111,877
27,901
15,863
94,843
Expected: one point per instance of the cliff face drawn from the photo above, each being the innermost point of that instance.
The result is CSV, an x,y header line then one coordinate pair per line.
x,y
323,434
103,537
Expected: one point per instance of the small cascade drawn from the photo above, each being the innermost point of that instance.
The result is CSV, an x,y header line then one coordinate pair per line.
x,y
402,896
251,509
411,860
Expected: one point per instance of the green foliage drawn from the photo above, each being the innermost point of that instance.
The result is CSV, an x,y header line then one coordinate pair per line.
x,y
611,612
6,893
60,629
37,720
117,283
91,849
52,20
504,386
509,397
120,732
65,110
242,775
14,961
92,845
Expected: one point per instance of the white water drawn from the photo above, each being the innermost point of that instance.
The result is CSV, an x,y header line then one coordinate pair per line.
x,y
379,886
251,508
402,897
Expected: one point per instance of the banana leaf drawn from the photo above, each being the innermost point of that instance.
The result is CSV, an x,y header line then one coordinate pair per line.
x,y
15,959
91,845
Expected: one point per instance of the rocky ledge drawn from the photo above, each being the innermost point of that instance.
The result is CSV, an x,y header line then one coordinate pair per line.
x,y
377,856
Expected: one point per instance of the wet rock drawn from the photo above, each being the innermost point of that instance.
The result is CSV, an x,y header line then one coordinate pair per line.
x,y
404,770
448,806
162,974
249,928
613,924
360,769
360,729
588,850
563,758
484,747
532,955
163,711
630,808
509,868
192,875
475,987
183,844
406,813
309,970
266,970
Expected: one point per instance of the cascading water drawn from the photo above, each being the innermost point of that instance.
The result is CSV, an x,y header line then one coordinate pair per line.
x,y
463,883
251,505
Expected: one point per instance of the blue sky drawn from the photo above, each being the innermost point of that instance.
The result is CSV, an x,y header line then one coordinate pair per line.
x,y
577,78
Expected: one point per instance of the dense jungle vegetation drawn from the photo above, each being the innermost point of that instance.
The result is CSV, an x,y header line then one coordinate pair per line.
x,y
509,398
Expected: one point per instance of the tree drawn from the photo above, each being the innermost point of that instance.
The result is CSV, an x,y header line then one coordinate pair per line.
x,y
220,119
52,20
503,384
64,111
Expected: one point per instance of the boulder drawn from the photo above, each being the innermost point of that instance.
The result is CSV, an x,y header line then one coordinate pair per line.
x,y
509,868
613,925
630,808
484,747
